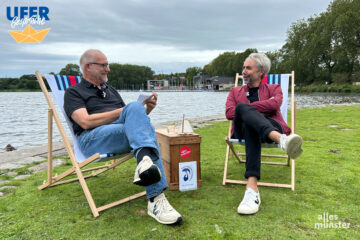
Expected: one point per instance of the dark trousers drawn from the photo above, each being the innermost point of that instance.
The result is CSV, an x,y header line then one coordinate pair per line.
x,y
254,127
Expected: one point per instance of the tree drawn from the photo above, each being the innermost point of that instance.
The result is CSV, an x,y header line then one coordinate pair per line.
x,y
127,76
324,45
28,81
71,70
31,84
346,25
228,63
294,52
276,60
190,73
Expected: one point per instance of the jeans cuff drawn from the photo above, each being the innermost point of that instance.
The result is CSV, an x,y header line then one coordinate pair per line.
x,y
155,194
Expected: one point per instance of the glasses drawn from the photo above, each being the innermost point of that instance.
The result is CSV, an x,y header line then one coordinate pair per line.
x,y
104,65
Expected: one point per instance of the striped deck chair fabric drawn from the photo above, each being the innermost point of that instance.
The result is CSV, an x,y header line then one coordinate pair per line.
x,y
58,85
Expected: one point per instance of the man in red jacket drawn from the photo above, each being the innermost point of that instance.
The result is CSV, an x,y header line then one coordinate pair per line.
x,y
255,111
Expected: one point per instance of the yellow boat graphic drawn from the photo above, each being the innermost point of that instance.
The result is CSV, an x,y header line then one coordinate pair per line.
x,y
29,35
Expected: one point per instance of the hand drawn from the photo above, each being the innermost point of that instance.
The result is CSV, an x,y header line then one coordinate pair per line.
x,y
151,102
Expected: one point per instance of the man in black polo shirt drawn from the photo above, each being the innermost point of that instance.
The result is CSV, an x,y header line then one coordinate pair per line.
x,y
104,124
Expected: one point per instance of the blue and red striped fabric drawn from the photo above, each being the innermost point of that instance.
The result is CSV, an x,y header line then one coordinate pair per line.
x,y
272,79
64,82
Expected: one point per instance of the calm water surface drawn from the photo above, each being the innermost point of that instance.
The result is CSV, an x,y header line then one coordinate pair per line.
x,y
24,115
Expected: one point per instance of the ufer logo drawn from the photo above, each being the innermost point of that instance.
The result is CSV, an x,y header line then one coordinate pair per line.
x,y
20,13
185,152
20,16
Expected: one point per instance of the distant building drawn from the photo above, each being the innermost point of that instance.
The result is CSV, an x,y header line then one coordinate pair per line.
x,y
200,81
162,84
177,83
203,81
222,82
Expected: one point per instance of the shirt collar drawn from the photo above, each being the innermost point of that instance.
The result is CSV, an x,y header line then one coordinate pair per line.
x,y
90,85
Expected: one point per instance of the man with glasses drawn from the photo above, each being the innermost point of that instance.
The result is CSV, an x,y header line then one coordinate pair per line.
x,y
105,124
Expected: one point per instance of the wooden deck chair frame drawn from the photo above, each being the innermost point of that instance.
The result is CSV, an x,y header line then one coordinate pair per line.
x,y
230,147
77,167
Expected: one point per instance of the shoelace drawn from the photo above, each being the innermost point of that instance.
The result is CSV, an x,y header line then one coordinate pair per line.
x,y
250,198
164,205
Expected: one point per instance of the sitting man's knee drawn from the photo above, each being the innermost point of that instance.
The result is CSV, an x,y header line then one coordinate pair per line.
x,y
240,107
136,105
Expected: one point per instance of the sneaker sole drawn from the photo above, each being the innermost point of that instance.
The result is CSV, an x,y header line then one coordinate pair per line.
x,y
150,176
247,212
294,147
177,221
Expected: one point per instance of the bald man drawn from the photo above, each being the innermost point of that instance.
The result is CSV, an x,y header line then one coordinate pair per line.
x,y
104,123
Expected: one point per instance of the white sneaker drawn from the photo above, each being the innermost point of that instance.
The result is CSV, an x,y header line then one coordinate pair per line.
x,y
291,145
250,203
162,211
146,172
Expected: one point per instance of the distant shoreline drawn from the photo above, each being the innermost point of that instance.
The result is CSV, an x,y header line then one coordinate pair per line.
x,y
340,88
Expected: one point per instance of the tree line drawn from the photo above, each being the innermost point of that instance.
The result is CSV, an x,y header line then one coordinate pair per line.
x,y
320,49
324,48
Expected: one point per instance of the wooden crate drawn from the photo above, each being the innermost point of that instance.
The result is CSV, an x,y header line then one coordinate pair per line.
x,y
170,147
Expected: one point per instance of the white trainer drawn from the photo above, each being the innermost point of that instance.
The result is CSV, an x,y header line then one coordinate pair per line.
x,y
162,211
291,145
250,203
146,172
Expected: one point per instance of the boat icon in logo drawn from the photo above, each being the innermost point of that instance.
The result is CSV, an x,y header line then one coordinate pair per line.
x,y
29,35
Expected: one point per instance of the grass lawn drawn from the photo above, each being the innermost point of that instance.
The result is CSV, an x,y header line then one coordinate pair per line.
x,y
327,181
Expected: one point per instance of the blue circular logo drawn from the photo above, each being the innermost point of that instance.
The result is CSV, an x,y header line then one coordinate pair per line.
x,y
187,173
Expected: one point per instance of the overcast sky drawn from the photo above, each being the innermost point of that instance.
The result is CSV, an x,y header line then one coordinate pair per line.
x,y
166,35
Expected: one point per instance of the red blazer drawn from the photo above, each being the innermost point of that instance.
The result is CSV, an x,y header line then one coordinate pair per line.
x,y
270,100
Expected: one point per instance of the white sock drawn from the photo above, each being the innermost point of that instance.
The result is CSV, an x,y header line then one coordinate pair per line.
x,y
283,140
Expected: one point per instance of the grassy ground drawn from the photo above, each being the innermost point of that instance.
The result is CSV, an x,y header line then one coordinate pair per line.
x,y
327,181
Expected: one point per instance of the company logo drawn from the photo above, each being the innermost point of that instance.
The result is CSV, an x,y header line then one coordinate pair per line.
x,y
187,173
330,221
21,16
185,152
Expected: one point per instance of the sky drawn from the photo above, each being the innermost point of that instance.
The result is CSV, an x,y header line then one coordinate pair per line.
x,y
166,35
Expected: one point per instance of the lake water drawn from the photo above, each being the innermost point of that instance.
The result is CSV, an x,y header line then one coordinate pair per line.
x,y
24,115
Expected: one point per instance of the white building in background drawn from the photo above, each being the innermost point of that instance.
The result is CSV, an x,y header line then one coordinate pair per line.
x,y
203,81
162,84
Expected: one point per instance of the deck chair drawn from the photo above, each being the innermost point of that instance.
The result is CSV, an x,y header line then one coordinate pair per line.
x,y
58,85
283,80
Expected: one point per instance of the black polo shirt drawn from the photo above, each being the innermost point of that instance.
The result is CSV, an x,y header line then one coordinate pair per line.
x,y
87,95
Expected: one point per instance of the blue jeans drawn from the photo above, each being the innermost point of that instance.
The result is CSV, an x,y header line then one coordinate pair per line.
x,y
129,133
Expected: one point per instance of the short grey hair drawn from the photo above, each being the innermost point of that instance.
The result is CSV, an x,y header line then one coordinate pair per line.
x,y
86,57
262,62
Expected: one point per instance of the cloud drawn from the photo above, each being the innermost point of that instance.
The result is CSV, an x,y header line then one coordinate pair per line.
x,y
162,34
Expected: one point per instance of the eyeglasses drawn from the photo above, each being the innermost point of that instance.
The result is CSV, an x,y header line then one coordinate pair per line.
x,y
104,65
